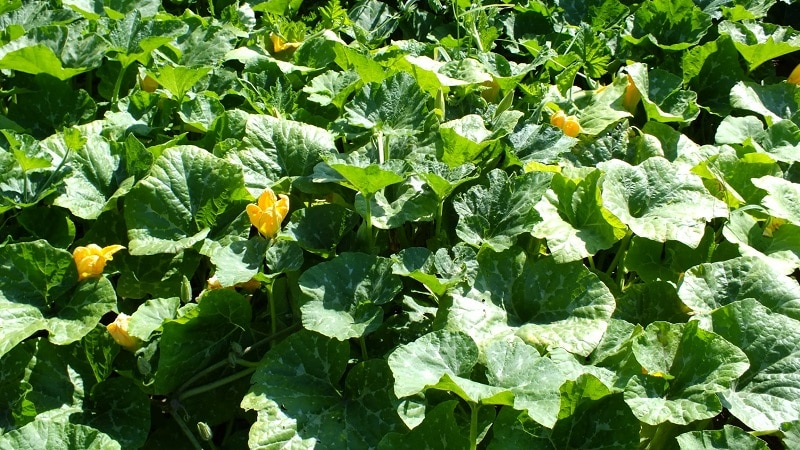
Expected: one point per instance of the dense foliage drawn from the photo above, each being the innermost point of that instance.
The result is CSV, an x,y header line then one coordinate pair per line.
x,y
550,224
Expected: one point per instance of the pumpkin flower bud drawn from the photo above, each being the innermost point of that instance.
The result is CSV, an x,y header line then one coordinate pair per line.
x,y
91,260
558,119
794,77
279,44
119,331
268,214
632,95
571,126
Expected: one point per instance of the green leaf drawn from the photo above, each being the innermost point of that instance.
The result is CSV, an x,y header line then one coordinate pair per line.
x,y
332,88
320,228
574,222
650,302
38,292
201,336
709,286
663,98
466,140
781,140
783,197
442,178
534,380
496,214
301,404
561,305
711,70
759,42
671,25
601,108
119,408
730,177
342,298
438,431
538,142
154,275
188,195
94,179
773,101
767,394
666,261
363,176
236,261
779,248
151,315
55,50
45,434
442,360
659,200
590,417
413,202
284,256
179,80
684,368
133,39
395,107
51,224
729,437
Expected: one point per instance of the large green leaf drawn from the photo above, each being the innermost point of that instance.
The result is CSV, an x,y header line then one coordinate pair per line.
x,y
779,248
39,290
574,221
60,51
659,200
767,394
438,431
667,261
203,334
119,408
759,42
663,98
45,434
411,202
133,39
709,286
561,305
533,379
188,195
301,403
783,197
773,101
320,228
730,437
496,214
683,369
359,173
342,298
672,25
442,360
395,107
590,417
711,70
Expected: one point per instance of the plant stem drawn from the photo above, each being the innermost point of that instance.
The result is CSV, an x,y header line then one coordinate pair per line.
x,y
225,361
439,214
623,247
215,384
182,425
473,426
118,84
368,225
363,344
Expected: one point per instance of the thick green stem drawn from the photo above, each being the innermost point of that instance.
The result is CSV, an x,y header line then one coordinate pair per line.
x,y
473,426
368,224
182,425
363,343
215,384
615,263
118,84
439,214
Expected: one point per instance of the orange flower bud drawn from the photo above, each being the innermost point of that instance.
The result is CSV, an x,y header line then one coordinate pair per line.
x,y
558,119
268,214
91,260
571,126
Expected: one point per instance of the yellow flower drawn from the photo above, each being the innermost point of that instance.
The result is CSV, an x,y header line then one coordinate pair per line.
x,y
632,96
119,331
794,77
268,214
91,260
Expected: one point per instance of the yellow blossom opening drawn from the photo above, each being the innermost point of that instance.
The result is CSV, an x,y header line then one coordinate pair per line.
x,y
794,77
119,331
632,95
92,259
269,213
